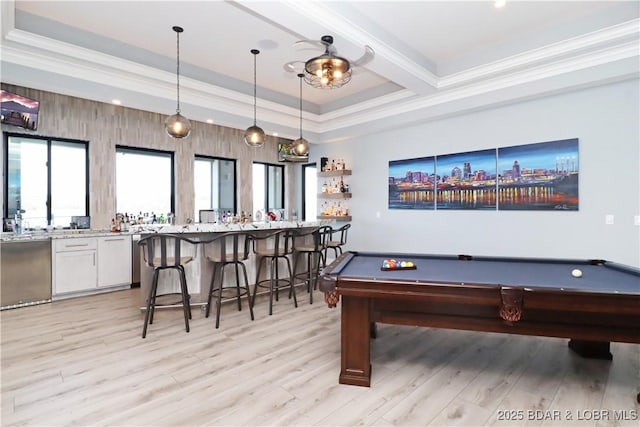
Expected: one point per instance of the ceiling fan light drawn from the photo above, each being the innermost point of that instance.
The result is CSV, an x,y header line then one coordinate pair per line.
x,y
327,71
177,126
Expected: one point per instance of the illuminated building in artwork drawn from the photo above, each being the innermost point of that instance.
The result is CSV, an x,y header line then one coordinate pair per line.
x,y
516,170
456,172
467,170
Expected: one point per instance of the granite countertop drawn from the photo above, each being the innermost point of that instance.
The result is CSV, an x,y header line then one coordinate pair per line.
x,y
221,228
156,228
54,234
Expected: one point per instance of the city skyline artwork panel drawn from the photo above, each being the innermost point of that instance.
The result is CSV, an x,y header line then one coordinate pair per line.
x,y
540,176
466,180
412,183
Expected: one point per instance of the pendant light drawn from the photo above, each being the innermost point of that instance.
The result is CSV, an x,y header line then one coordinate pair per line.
x,y
300,147
178,126
254,136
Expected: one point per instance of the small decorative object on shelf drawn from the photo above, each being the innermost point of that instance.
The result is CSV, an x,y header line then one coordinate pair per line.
x,y
333,165
334,188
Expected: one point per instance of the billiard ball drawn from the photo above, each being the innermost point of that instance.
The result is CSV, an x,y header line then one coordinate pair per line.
x,y
576,272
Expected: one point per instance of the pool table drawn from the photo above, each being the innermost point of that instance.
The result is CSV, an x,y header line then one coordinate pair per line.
x,y
527,296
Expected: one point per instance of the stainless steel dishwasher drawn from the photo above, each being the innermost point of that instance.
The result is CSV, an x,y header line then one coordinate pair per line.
x,y
25,273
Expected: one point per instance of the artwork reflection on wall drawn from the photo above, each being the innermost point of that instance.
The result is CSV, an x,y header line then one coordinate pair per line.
x,y
412,183
466,180
541,176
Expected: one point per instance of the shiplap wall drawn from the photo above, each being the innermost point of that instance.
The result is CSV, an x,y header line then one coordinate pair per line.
x,y
105,125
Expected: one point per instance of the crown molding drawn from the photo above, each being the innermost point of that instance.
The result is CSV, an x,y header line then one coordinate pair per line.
x,y
577,55
619,33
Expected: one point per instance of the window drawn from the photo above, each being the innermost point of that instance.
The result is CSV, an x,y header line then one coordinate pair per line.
x,y
144,182
47,179
268,187
309,192
214,184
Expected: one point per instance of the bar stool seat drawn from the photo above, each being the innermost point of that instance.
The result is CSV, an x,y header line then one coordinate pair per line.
x,y
228,249
313,251
271,249
163,252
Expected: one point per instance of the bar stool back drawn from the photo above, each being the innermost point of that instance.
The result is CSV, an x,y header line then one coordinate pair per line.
x,y
314,253
228,249
336,243
162,252
272,248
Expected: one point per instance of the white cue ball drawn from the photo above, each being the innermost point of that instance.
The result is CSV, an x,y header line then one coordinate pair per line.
x,y
576,273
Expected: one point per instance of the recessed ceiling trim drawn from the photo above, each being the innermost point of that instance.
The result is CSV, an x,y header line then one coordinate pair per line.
x,y
523,77
591,40
381,101
349,30
297,15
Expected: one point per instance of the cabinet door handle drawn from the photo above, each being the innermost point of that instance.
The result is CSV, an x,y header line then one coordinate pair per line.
x,y
94,258
76,245
114,240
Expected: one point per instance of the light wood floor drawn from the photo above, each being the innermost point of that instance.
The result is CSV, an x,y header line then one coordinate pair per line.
x,y
83,362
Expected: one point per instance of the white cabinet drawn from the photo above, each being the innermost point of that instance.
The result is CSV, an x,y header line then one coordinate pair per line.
x,y
114,261
85,265
74,265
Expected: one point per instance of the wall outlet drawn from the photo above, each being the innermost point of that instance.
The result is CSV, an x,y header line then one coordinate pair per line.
x,y
608,219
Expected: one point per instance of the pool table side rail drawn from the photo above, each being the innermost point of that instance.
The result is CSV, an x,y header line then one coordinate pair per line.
x,y
545,311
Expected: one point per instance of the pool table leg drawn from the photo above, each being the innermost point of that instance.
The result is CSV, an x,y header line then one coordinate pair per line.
x,y
591,349
355,361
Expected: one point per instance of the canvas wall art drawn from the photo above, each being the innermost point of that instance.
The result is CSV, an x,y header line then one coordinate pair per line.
x,y
466,180
541,176
412,183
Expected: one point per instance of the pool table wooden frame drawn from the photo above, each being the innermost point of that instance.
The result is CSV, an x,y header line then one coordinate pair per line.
x,y
590,320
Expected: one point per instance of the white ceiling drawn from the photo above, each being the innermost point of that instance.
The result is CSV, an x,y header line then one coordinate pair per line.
x,y
433,58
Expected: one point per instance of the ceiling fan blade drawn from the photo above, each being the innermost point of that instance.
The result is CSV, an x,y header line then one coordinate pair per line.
x,y
309,44
293,66
369,54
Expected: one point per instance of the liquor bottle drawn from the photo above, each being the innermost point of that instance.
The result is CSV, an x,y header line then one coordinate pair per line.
x,y
342,189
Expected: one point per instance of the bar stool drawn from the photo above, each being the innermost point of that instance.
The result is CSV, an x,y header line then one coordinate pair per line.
x,y
163,252
227,249
336,244
272,248
314,253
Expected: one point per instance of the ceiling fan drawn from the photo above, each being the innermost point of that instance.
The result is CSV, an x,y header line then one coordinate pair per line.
x,y
327,71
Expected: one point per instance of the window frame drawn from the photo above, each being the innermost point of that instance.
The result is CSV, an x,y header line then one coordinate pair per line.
x,y
49,141
266,184
235,175
304,189
148,151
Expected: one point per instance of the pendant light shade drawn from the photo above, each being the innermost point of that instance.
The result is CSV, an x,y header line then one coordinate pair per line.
x,y
177,126
254,136
300,147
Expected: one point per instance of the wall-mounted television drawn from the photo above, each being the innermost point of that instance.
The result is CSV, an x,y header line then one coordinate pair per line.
x,y
20,111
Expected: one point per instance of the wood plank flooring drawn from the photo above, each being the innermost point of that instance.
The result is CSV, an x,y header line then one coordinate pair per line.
x,y
83,362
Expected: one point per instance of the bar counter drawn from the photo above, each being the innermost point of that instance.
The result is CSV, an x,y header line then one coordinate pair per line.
x,y
198,272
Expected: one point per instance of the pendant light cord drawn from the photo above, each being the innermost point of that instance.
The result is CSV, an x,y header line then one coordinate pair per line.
x,y
178,70
255,82
300,76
